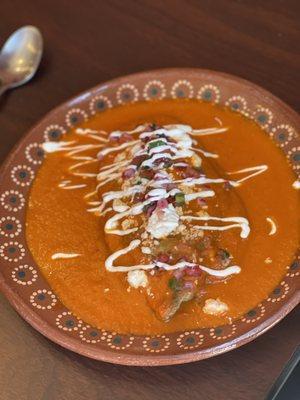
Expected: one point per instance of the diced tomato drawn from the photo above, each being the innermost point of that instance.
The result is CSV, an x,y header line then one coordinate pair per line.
x,y
147,173
191,172
162,203
128,173
188,285
125,137
193,271
163,257
138,197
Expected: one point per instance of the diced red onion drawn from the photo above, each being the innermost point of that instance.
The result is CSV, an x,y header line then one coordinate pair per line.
x,y
201,202
114,137
150,210
161,160
193,271
188,285
137,160
160,177
178,273
170,186
227,185
138,197
190,172
125,137
162,203
128,173
163,257
145,139
147,174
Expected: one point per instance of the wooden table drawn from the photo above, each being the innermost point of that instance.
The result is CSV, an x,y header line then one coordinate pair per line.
x,y
90,41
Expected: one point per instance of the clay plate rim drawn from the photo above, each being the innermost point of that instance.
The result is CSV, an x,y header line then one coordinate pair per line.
x,y
73,344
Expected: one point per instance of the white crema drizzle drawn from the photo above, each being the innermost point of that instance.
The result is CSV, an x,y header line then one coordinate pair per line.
x,y
175,144
273,226
57,256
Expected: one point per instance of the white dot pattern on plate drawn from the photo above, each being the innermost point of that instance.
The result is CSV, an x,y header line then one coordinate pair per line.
x,y
24,275
43,299
34,153
10,227
21,175
12,251
182,89
154,90
68,322
210,93
127,93
53,132
75,116
12,200
190,340
156,344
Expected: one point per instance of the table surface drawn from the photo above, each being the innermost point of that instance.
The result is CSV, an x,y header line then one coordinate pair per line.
x,y
93,41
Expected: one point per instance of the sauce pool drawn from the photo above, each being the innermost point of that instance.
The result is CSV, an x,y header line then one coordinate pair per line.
x,y
101,298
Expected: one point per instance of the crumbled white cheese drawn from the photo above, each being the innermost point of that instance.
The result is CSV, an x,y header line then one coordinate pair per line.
x,y
149,293
146,250
196,161
126,224
183,140
162,222
119,205
137,278
215,307
144,235
296,185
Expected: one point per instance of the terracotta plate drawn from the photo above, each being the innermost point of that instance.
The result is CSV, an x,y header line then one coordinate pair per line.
x,y
29,293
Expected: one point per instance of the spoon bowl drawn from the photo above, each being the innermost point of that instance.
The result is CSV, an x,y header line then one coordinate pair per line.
x,y
20,57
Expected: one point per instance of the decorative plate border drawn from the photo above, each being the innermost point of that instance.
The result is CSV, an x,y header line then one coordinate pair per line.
x,y
25,286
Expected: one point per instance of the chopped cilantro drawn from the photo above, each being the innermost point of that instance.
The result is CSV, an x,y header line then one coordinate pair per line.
x,y
153,126
201,246
174,284
224,254
157,143
179,199
168,164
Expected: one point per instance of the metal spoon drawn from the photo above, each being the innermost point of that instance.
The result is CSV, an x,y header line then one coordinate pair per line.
x,y
20,57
